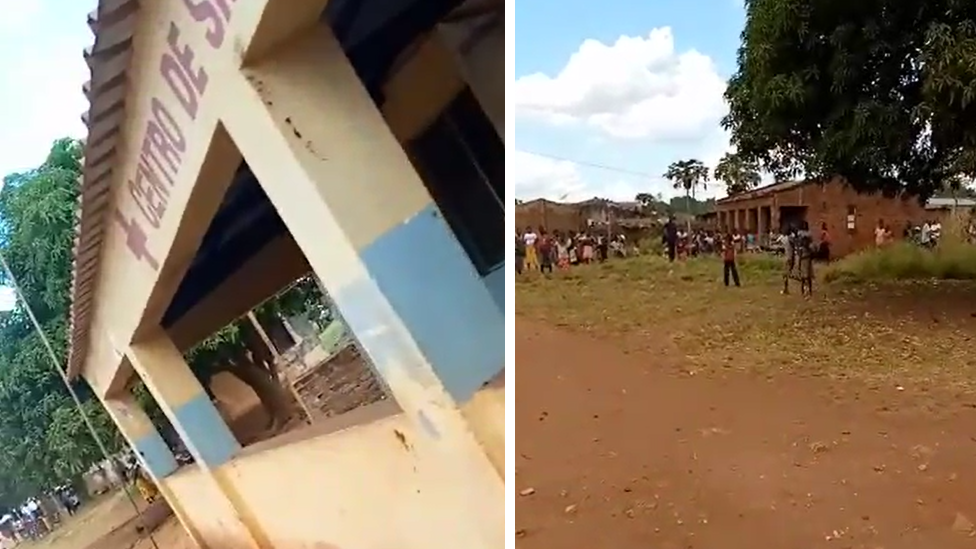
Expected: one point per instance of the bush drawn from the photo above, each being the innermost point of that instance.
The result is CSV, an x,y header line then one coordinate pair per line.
x,y
952,259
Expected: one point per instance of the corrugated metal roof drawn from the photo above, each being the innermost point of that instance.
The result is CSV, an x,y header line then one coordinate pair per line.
x,y
941,203
113,23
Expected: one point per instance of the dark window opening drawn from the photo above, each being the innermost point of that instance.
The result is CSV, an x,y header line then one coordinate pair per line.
x,y
461,160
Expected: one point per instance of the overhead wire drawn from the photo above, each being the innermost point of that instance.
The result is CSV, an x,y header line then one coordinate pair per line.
x,y
596,165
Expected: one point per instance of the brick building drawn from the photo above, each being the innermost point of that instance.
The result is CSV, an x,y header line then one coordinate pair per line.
x,y
575,216
850,217
554,216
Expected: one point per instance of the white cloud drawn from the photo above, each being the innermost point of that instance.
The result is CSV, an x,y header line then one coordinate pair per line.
x,y
540,177
533,176
636,88
41,99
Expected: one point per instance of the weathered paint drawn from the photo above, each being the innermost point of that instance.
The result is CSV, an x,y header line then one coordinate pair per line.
x,y
438,486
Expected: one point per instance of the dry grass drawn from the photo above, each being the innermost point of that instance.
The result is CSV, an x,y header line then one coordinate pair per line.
x,y
886,333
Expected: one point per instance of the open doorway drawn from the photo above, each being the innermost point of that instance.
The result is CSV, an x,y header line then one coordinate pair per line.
x,y
791,217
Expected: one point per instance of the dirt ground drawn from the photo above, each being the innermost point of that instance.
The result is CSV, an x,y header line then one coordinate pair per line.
x,y
110,522
639,424
626,450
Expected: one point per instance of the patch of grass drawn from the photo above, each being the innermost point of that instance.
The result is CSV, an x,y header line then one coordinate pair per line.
x,y
953,259
881,333
906,261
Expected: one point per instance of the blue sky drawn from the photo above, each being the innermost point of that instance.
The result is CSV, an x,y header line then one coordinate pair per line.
x,y
625,84
636,103
42,68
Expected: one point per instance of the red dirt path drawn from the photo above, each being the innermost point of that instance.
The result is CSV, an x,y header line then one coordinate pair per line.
x,y
624,451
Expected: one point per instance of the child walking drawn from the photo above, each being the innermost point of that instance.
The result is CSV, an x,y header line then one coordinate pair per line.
x,y
729,268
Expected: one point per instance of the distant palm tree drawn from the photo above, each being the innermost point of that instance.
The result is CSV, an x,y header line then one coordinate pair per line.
x,y
688,175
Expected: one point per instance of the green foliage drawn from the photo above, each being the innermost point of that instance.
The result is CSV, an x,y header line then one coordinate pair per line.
x,y
880,92
689,175
304,297
652,205
228,349
738,174
43,439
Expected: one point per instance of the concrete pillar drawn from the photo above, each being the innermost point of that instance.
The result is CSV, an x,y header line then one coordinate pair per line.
x,y
183,399
195,417
355,205
151,450
145,440
382,215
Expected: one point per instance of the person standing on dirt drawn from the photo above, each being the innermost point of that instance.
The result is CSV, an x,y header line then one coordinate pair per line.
x,y
804,259
823,251
670,238
546,252
729,268
529,238
787,239
519,253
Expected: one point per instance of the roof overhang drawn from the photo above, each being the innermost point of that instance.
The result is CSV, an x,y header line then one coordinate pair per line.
x,y
114,24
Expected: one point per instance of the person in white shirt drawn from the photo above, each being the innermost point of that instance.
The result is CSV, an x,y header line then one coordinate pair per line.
x,y
880,234
529,237
935,232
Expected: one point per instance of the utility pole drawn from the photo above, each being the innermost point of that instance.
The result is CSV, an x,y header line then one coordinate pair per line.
x,y
56,366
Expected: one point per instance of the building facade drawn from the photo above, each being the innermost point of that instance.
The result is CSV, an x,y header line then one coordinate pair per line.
x,y
850,218
573,216
236,146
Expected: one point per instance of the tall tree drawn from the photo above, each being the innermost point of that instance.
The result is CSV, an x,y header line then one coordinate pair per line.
x,y
738,174
42,438
879,92
687,175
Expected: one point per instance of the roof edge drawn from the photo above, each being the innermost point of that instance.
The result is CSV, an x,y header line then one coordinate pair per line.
x,y
113,24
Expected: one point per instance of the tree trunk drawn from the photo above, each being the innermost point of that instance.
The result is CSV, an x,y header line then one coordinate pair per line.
x,y
275,327
274,398
261,353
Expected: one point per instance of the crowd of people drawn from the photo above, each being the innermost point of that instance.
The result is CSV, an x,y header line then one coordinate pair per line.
x,y
796,244
38,516
800,248
538,250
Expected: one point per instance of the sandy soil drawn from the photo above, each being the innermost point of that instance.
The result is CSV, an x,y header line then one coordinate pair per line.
x,y
622,450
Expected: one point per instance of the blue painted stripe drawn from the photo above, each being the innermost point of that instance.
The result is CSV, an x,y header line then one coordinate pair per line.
x,y
430,282
206,431
156,454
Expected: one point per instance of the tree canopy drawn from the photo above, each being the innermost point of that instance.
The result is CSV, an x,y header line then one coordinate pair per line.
x,y
879,92
43,439
738,174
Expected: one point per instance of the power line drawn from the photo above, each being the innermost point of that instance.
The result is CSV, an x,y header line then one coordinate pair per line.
x,y
643,175
56,366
